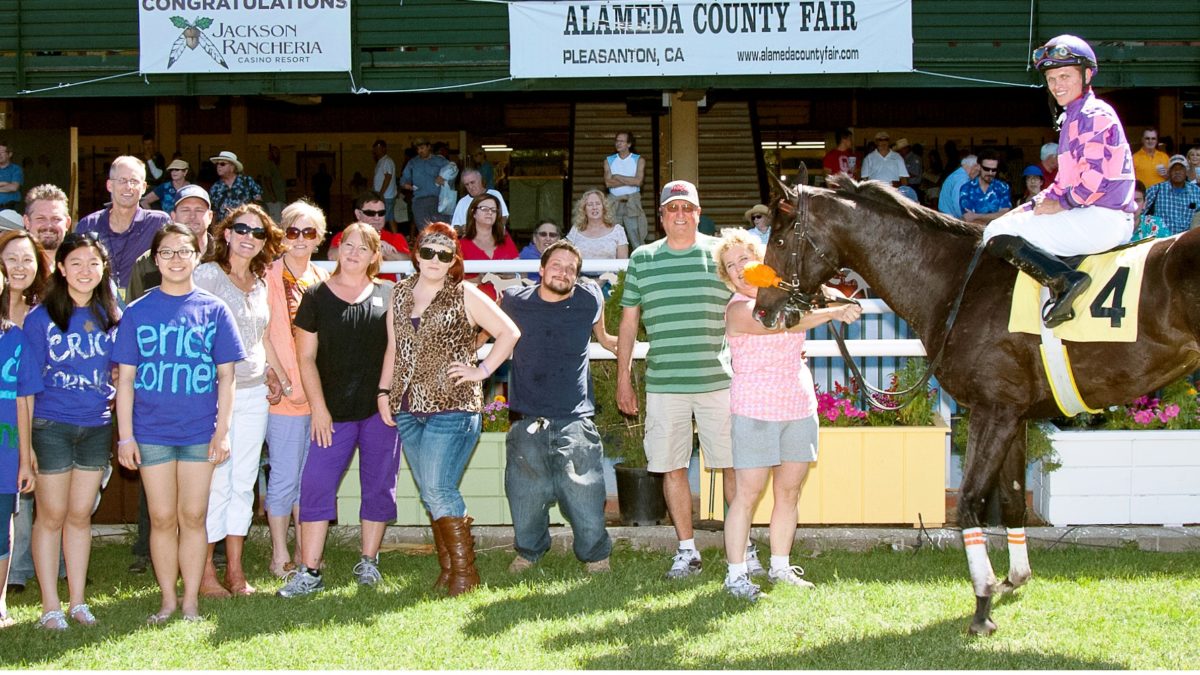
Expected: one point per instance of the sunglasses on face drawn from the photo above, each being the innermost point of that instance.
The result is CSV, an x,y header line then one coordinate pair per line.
x,y
372,213
552,235
757,217
990,169
296,233
427,253
221,163
244,229
675,207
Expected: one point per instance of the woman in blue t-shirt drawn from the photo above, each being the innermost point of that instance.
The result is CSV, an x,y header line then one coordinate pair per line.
x,y
18,383
176,349
70,343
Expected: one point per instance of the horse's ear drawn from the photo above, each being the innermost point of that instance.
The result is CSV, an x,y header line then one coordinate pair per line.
x,y
802,177
785,190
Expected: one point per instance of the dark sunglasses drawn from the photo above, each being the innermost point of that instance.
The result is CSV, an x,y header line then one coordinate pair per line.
x,y
427,253
295,233
373,214
244,229
989,169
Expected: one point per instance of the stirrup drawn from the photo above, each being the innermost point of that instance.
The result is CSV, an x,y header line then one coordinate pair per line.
x,y
1048,317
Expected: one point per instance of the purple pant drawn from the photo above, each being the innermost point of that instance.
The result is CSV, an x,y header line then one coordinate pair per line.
x,y
378,463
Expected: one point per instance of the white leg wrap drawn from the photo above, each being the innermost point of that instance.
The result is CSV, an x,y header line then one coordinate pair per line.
x,y
982,578
1018,557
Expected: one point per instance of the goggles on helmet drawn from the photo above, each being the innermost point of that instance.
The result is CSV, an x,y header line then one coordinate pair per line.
x,y
1058,55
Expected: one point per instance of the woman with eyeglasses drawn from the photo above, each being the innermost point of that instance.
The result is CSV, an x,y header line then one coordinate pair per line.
x,y
547,232
289,422
430,388
179,344
70,339
341,337
593,231
17,470
485,237
246,242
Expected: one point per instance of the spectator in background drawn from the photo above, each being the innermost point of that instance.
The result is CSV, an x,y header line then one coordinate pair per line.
x,y
176,453
624,173
1145,226
759,217
72,430
370,208
912,162
387,183
1150,163
1034,181
1049,162
154,160
546,233
275,187
949,199
322,187
485,237
11,178
841,159
986,198
1193,167
593,231
883,164
124,227
485,168
473,183
1176,201
290,421
232,188
166,192
421,176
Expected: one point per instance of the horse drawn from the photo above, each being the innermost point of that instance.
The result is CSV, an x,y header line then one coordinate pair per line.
x,y
917,260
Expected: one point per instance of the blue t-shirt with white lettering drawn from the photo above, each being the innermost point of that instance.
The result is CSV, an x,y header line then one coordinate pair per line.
x,y
76,367
18,377
176,342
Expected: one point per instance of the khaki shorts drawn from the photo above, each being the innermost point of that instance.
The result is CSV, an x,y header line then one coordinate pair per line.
x,y
669,430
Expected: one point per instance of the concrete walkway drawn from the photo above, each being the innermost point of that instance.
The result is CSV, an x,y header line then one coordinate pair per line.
x,y
662,538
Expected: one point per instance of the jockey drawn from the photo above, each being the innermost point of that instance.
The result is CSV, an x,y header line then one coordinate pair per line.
x,y
1089,207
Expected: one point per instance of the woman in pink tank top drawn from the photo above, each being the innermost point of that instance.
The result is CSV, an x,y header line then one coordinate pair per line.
x,y
774,422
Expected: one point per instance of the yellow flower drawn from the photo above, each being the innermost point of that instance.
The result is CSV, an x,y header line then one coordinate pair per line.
x,y
500,399
1191,391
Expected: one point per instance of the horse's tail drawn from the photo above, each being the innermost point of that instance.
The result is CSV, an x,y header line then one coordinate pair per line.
x,y
1181,274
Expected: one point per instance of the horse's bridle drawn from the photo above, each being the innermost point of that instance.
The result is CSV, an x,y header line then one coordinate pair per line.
x,y
804,302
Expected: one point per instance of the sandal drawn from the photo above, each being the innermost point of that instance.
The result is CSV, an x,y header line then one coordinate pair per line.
x,y
6,620
194,618
282,570
82,614
160,618
53,620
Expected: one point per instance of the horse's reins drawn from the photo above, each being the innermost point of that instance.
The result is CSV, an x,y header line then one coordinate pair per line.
x,y
807,301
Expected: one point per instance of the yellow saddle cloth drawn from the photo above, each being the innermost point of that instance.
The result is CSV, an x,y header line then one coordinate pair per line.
x,y
1106,312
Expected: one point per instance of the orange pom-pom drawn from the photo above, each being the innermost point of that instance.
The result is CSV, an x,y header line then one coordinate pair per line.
x,y
760,275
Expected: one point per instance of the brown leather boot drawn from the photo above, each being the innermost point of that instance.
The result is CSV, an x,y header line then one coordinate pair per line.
x,y
443,553
456,532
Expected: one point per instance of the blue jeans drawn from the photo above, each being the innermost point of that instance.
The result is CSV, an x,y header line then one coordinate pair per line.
x,y
560,461
438,448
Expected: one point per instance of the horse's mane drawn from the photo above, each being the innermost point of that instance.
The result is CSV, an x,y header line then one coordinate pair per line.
x,y
888,199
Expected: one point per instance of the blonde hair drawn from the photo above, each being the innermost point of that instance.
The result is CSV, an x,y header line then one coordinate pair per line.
x,y
302,209
731,237
579,218
370,237
138,166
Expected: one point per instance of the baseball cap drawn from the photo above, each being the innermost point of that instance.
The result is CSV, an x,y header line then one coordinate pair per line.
x,y
679,189
1032,170
1177,159
11,220
193,190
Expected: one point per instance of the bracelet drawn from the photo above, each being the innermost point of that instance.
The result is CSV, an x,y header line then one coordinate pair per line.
x,y
382,391
124,442
486,370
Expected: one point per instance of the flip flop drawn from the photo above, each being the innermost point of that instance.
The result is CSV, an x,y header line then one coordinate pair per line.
x,y
160,618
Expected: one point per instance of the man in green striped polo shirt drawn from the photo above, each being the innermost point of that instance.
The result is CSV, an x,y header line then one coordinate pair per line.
x,y
671,285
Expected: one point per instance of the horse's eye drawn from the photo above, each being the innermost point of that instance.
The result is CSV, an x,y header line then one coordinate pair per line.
x,y
779,242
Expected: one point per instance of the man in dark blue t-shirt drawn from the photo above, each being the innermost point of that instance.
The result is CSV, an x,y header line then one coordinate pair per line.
x,y
554,451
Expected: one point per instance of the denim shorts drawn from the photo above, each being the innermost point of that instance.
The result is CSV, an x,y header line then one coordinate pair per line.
x,y
161,454
61,447
759,443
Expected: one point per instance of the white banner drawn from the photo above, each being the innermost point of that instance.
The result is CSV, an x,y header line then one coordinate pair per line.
x,y
243,36
607,38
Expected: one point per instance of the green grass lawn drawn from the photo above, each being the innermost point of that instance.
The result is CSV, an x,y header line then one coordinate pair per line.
x,y
1085,608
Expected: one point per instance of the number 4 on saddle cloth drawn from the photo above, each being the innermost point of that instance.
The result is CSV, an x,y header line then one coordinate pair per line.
x,y
1106,312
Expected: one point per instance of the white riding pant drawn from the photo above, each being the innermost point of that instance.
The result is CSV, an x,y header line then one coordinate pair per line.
x,y
231,496
1072,232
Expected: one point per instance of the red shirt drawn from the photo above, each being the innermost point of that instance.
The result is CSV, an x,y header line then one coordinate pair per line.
x,y
397,241
841,161
507,250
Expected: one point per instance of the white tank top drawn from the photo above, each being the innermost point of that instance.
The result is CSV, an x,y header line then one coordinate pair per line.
x,y
623,167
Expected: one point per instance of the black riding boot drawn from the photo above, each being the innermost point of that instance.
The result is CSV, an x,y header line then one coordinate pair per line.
x,y
1065,284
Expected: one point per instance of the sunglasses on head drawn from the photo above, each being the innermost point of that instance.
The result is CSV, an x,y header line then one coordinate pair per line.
x,y
296,233
244,229
427,253
373,213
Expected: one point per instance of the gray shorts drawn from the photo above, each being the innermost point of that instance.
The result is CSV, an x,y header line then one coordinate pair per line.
x,y
759,443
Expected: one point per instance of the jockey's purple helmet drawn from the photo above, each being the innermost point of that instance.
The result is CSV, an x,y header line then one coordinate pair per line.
x,y
1065,50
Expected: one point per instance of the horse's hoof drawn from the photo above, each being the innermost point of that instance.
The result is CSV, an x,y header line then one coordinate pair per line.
x,y
982,629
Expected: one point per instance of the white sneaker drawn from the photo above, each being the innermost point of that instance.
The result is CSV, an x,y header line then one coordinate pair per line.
x,y
753,567
686,563
741,587
790,576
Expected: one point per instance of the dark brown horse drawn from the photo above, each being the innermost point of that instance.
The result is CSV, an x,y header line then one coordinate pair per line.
x,y
916,260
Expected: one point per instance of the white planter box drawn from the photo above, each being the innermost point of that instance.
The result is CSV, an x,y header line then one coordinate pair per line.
x,y
1120,478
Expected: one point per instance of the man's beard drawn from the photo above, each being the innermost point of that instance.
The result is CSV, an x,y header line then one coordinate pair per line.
x,y
559,287
50,241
